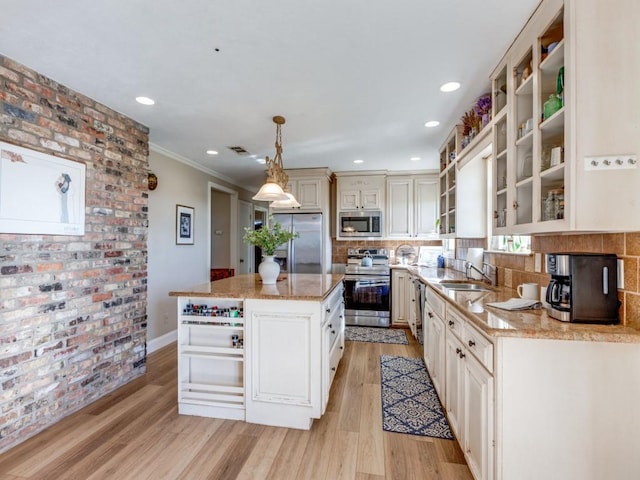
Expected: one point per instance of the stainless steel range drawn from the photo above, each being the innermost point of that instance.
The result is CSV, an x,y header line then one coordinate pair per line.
x,y
367,287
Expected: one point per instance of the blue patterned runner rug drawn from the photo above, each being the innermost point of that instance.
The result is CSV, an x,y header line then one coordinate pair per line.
x,y
410,404
375,335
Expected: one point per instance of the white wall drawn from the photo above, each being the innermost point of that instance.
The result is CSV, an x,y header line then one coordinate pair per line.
x,y
171,266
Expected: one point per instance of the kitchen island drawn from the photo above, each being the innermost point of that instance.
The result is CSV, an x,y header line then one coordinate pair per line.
x,y
529,396
266,354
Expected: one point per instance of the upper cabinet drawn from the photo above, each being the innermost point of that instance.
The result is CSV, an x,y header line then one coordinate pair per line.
x,y
411,206
360,192
310,187
565,122
462,198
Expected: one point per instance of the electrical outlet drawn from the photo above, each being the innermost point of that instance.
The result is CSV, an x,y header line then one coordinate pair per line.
x,y
537,262
620,274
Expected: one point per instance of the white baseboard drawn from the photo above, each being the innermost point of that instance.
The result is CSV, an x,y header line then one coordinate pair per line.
x,y
162,341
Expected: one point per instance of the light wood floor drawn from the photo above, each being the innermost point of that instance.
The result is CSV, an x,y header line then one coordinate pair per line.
x,y
136,433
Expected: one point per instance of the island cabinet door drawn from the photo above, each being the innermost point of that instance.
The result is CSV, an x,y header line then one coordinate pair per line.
x,y
283,362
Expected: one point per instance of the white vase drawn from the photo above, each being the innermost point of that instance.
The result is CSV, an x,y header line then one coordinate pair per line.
x,y
269,270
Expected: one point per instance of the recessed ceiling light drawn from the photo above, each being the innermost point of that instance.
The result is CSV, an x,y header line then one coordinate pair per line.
x,y
450,87
262,161
415,159
212,152
358,161
145,100
432,123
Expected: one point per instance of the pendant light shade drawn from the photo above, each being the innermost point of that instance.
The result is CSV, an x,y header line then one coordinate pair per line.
x,y
277,178
290,202
270,192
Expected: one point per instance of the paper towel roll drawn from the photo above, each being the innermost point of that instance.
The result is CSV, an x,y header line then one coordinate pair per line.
x,y
475,255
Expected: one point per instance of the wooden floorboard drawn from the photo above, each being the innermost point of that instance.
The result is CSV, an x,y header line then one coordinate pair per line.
x,y
136,433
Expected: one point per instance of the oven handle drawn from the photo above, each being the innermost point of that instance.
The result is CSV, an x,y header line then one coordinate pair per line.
x,y
367,278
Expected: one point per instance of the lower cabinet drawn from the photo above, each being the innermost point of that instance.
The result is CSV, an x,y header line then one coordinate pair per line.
x,y
460,361
435,353
400,301
293,350
477,437
211,358
269,362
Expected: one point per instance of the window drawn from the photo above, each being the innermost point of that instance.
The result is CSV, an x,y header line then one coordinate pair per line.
x,y
511,243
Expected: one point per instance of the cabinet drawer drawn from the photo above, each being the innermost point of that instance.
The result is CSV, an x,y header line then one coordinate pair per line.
x,y
479,346
332,304
435,302
455,323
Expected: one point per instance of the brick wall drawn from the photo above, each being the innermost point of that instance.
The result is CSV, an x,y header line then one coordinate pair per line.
x,y
73,309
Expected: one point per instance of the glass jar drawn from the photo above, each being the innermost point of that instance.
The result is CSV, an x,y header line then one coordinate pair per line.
x,y
551,106
554,205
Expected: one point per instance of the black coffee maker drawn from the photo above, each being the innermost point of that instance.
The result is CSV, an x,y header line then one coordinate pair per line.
x,y
583,287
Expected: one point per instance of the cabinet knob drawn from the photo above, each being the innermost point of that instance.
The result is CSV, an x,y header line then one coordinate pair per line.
x,y
458,351
430,314
333,368
333,332
330,326
495,214
515,205
451,323
341,347
471,343
462,355
329,310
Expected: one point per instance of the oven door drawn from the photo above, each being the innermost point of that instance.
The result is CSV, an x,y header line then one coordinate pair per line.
x,y
367,300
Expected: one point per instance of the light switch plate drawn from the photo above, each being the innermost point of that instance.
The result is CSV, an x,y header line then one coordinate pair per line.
x,y
620,274
610,162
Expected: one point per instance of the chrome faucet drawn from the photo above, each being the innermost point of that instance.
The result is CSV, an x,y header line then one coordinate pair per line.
x,y
491,269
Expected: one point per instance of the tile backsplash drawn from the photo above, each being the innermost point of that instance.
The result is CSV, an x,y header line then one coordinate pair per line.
x,y
339,248
516,269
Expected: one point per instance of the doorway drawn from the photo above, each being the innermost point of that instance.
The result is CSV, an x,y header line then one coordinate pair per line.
x,y
223,230
245,250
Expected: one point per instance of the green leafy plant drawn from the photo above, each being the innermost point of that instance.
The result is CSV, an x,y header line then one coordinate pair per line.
x,y
268,238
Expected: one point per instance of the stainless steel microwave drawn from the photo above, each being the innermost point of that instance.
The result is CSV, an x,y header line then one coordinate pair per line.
x,y
363,223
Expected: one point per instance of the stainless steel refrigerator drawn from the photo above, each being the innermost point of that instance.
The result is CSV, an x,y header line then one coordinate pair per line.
x,y
302,254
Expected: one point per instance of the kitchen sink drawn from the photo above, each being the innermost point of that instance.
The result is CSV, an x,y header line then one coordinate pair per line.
x,y
465,286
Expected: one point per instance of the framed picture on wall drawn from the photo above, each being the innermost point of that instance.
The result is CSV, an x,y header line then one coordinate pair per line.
x,y
184,225
40,193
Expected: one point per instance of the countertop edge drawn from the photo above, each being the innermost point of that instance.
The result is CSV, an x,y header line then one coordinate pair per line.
x,y
573,332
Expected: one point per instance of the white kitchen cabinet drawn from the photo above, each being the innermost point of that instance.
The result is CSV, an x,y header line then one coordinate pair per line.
x,y
477,415
411,206
460,361
595,134
211,358
357,191
292,350
332,341
463,186
400,297
454,375
436,355
310,187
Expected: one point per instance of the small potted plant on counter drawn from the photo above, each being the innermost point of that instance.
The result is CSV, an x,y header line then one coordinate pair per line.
x,y
268,239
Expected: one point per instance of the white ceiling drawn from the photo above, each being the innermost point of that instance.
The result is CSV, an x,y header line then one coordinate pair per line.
x,y
355,79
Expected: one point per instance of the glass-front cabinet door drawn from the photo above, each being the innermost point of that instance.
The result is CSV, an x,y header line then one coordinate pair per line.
x,y
528,168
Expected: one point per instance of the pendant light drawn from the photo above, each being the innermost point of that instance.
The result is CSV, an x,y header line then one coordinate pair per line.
x,y
274,188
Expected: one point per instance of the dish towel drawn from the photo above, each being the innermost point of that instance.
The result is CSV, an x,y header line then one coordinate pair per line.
x,y
516,304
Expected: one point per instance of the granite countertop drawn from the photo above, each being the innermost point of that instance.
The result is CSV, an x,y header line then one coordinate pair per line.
x,y
296,286
524,323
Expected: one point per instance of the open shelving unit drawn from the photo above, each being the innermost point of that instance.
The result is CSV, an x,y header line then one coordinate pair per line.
x,y
211,358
